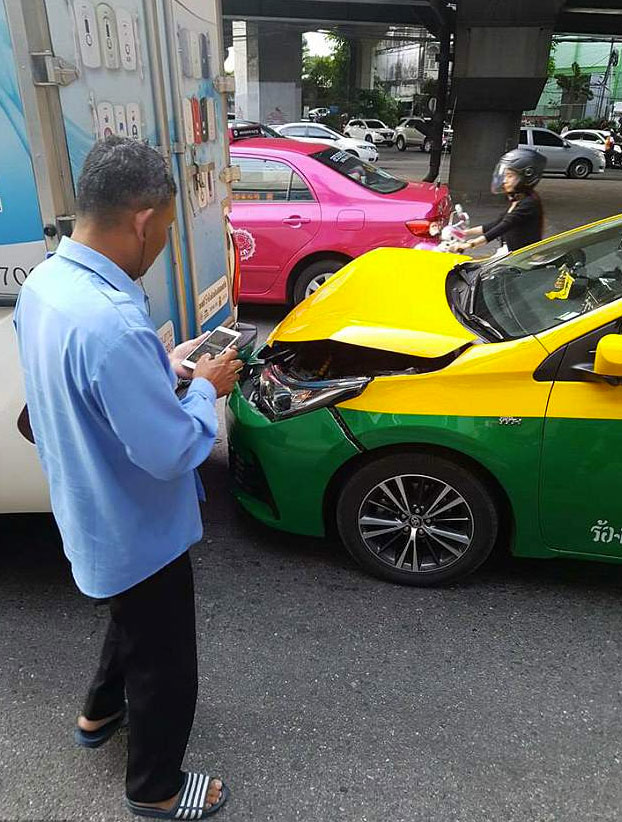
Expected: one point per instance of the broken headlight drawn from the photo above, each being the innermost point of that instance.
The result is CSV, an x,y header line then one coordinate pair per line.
x,y
281,396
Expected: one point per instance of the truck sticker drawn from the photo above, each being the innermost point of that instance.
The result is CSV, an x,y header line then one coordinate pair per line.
x,y
166,333
213,299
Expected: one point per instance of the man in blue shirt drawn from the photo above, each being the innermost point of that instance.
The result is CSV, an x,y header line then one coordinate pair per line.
x,y
120,452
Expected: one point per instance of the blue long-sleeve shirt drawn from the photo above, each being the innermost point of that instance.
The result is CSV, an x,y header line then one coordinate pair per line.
x,y
118,447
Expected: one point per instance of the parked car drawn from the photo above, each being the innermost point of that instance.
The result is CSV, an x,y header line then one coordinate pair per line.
x,y
432,409
374,131
301,211
562,156
413,131
598,140
318,113
319,133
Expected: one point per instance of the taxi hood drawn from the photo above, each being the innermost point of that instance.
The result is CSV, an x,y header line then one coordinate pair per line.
x,y
389,300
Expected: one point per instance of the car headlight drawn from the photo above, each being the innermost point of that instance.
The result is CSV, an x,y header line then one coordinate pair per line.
x,y
364,146
281,396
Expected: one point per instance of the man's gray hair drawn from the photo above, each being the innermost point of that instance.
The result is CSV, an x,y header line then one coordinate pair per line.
x,y
122,175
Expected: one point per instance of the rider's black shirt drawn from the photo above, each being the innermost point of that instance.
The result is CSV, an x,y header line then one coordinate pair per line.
x,y
519,227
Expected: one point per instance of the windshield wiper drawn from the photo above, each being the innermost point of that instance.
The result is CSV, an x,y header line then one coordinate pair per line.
x,y
463,302
485,324
476,324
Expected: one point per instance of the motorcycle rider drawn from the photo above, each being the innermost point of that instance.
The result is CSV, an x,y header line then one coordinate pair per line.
x,y
517,174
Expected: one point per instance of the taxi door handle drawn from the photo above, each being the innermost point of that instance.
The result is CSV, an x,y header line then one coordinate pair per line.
x,y
296,220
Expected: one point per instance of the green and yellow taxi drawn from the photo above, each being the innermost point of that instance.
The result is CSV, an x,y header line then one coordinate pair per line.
x,y
431,407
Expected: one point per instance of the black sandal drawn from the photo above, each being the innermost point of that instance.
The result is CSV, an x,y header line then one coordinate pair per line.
x,y
93,739
191,802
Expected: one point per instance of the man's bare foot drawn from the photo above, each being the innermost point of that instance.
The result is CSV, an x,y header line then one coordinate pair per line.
x,y
91,725
214,795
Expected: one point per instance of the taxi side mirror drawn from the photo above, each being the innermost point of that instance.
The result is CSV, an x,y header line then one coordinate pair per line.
x,y
608,361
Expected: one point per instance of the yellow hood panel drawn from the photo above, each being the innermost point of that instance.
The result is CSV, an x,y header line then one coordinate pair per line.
x,y
392,299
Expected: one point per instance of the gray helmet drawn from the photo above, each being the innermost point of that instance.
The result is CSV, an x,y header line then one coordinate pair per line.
x,y
526,162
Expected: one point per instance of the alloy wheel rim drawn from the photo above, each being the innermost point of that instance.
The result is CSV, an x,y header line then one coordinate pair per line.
x,y
581,170
316,282
416,523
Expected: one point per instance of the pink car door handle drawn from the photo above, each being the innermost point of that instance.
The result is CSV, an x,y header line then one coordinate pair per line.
x,y
296,220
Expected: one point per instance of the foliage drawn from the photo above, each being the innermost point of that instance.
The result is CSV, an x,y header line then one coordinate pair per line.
x,y
325,82
377,103
319,71
585,122
551,67
328,73
575,86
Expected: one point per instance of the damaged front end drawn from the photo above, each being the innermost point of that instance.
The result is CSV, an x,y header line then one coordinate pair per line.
x,y
288,379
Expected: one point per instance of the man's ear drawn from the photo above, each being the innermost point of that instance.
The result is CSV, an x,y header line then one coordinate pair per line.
x,y
141,221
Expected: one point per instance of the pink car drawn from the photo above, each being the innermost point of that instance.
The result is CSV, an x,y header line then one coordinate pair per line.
x,y
302,210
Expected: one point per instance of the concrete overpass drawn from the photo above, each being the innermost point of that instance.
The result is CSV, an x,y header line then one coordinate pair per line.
x,y
500,53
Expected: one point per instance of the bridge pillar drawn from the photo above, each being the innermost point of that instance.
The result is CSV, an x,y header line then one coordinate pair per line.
x,y
500,67
268,70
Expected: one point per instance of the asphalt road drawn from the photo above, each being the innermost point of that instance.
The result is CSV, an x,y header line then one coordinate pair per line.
x,y
327,694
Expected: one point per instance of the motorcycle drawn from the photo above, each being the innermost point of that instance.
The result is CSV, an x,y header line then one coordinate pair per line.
x,y
447,235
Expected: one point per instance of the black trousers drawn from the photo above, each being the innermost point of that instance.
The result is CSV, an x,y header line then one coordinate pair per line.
x,y
150,655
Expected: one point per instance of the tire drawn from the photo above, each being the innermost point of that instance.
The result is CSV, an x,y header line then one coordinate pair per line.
x,y
311,277
426,145
369,138
400,143
346,134
475,522
353,152
579,169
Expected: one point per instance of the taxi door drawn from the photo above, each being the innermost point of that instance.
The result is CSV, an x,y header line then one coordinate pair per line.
x,y
275,215
580,502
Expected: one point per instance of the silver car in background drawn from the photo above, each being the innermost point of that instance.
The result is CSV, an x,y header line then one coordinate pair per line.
x,y
562,156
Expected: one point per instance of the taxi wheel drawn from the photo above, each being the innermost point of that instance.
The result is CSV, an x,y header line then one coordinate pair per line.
x,y
417,519
313,276
579,169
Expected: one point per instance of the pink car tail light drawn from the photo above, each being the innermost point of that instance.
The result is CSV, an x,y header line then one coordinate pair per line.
x,y
420,228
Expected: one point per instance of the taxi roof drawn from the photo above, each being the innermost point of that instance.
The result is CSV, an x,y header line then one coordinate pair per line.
x,y
277,145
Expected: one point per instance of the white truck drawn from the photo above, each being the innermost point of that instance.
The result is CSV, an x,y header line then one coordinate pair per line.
x,y
74,71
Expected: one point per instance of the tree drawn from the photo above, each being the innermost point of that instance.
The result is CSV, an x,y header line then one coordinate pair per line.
x,y
551,67
576,92
377,103
325,79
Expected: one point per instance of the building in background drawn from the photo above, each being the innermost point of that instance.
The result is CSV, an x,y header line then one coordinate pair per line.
x,y
601,61
406,66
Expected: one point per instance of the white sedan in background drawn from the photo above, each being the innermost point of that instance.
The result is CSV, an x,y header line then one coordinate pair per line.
x,y
319,133
373,131
596,139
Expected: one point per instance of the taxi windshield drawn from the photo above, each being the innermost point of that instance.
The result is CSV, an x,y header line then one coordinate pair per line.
x,y
540,288
359,171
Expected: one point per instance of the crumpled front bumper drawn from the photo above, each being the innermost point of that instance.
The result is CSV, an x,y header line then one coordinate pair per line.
x,y
281,470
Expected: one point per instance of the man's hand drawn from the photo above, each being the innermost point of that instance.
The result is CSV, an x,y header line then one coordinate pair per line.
x,y
179,354
223,371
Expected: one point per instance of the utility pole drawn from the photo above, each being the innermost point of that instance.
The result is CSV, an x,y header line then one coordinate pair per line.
x,y
613,60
